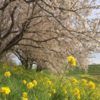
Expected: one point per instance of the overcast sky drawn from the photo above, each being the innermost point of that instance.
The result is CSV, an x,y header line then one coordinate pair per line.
x,y
97,59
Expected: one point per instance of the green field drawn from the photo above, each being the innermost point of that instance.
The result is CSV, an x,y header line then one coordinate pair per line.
x,y
92,70
49,86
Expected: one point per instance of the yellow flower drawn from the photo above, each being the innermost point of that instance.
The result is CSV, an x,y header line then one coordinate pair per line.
x,y
71,60
24,98
49,82
24,81
76,91
66,98
74,80
30,85
5,90
91,85
34,82
54,91
64,91
24,94
49,94
41,71
7,74
84,81
67,71
36,98
78,96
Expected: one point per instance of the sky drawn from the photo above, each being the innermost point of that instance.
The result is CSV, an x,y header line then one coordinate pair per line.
x,y
96,59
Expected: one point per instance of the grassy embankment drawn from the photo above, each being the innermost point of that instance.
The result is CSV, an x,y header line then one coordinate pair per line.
x,y
48,86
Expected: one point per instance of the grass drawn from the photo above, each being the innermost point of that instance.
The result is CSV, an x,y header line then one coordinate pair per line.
x,y
92,70
49,86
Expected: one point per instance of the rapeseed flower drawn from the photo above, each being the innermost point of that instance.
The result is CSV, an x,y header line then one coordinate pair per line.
x,y
54,91
49,82
71,60
34,82
7,74
30,85
67,71
5,90
24,98
84,81
91,85
74,80
64,91
24,94
78,96
41,71
49,94
77,93
24,81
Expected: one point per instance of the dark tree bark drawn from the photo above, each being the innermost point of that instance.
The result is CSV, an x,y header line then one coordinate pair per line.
x,y
26,64
30,66
38,69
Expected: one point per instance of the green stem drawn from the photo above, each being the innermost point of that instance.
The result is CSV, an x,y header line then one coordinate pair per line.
x,y
11,84
61,80
34,92
64,73
5,98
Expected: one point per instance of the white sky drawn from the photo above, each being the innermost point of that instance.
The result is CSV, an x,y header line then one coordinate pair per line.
x,y
97,59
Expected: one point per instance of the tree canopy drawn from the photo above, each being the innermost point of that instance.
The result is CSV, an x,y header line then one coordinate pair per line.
x,y
48,31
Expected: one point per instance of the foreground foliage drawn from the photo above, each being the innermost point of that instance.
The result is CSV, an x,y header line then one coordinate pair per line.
x,y
16,83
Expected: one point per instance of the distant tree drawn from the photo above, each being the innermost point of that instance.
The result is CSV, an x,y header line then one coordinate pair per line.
x,y
23,55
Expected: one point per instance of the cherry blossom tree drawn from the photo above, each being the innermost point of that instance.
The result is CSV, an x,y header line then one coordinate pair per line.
x,y
51,30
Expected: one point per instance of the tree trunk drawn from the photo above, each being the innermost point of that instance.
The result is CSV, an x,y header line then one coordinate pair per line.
x,y
38,69
23,62
26,64
2,55
30,66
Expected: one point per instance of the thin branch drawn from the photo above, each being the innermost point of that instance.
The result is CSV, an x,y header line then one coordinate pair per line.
x,y
12,24
6,4
41,40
